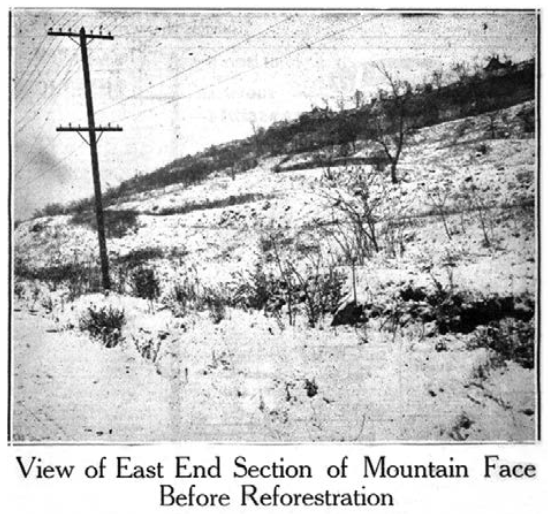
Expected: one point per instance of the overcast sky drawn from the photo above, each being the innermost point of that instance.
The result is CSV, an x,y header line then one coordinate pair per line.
x,y
180,81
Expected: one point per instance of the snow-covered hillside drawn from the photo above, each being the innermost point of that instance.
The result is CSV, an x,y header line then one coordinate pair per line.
x,y
431,337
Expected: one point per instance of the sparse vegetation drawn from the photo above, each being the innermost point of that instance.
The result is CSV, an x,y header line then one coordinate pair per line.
x,y
230,201
313,283
117,223
357,196
144,283
476,202
511,338
450,99
78,278
104,323
216,303
439,198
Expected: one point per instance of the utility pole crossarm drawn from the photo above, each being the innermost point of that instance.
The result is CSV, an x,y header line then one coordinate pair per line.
x,y
70,33
86,129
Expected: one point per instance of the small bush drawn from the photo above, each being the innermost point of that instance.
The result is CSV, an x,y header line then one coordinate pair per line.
x,y
144,283
117,223
52,209
189,294
317,290
185,295
216,304
322,293
104,323
260,290
78,278
513,339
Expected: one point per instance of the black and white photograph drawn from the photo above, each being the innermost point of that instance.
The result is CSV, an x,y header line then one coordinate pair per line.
x,y
274,226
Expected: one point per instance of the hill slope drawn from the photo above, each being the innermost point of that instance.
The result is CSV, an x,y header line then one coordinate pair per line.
x,y
269,305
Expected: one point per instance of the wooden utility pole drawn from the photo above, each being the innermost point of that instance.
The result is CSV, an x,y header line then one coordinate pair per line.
x,y
92,131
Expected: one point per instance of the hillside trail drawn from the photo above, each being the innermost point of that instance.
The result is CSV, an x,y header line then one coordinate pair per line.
x,y
68,388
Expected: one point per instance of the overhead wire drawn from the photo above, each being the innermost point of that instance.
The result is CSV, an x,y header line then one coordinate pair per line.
x,y
62,160
24,95
67,77
245,72
31,60
194,66
35,74
68,74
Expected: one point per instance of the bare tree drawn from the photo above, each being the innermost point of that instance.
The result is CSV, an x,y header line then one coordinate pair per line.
x,y
393,119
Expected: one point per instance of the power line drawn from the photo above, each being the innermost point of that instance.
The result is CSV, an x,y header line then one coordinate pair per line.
x,y
48,98
186,70
31,60
237,75
25,88
36,155
140,33
33,56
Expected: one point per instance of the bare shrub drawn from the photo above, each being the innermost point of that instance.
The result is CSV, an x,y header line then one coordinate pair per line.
x,y
396,234
189,294
395,227
216,304
316,286
288,288
184,295
149,345
320,289
104,323
259,289
145,284
438,199
472,200
356,196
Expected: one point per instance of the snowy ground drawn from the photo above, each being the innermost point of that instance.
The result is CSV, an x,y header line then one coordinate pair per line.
x,y
254,377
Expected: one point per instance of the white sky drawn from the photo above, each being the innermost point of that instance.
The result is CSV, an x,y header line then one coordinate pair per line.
x,y
281,64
